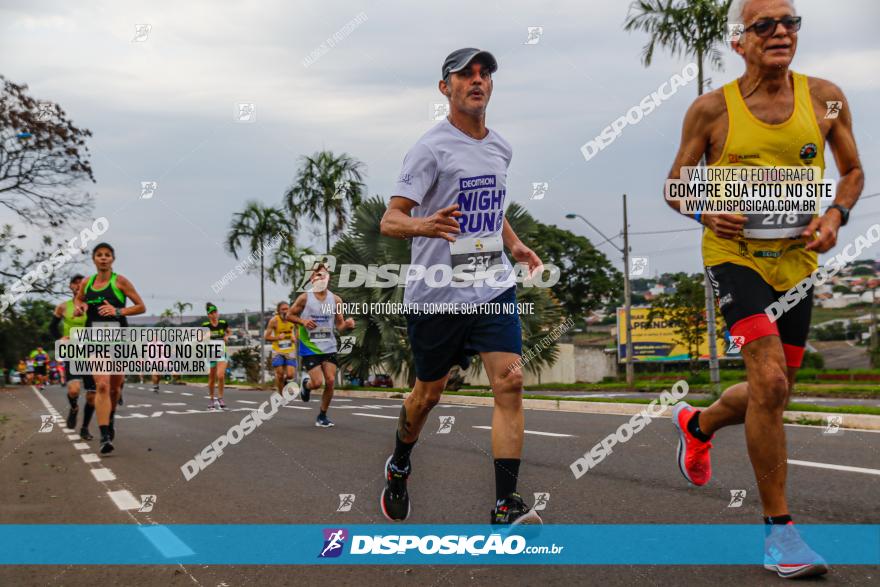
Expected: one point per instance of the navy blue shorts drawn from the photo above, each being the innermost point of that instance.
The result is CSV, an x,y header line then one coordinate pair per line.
x,y
441,341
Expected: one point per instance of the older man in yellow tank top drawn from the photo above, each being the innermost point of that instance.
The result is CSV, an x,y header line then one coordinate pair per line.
x,y
771,116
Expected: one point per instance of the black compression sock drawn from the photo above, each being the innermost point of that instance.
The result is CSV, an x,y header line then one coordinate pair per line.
x,y
105,431
400,458
87,414
73,401
777,520
506,473
693,427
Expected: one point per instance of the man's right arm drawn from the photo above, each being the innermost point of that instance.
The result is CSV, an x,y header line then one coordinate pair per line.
x,y
695,143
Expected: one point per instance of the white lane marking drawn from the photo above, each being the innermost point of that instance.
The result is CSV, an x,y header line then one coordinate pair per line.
x,y
67,430
91,458
166,391
455,406
814,427
156,414
124,500
81,445
341,399
73,437
377,416
535,432
297,407
834,467
244,401
140,387
103,474
173,404
185,393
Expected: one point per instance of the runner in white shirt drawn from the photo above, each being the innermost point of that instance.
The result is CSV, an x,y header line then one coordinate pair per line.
x,y
450,199
316,314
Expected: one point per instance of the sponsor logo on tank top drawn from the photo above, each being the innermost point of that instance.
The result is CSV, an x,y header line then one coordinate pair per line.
x,y
735,158
809,151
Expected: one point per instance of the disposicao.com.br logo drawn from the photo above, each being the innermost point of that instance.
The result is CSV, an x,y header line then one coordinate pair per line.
x,y
431,544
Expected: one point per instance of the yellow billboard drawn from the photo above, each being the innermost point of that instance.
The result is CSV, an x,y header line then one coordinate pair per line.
x,y
656,340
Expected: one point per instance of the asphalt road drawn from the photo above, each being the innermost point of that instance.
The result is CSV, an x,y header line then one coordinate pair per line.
x,y
290,472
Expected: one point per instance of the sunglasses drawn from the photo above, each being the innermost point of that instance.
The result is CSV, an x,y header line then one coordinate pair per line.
x,y
765,27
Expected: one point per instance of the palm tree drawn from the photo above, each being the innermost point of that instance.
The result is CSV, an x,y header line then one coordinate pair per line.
x,y
287,266
179,309
381,338
253,230
694,28
327,185
166,316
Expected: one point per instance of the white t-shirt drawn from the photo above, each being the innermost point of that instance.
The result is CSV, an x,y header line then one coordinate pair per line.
x,y
447,166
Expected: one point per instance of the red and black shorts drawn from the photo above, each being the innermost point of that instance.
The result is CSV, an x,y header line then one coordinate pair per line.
x,y
744,296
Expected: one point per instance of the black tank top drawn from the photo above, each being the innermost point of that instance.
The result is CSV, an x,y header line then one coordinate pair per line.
x,y
95,298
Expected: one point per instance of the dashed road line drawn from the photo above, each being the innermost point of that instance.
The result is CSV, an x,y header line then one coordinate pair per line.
x,y
103,474
377,416
845,468
124,500
535,432
91,458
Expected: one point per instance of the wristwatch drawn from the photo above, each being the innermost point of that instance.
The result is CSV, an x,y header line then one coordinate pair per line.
x,y
118,313
844,213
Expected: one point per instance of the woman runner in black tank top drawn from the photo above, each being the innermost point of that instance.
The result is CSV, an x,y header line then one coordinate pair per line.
x,y
102,299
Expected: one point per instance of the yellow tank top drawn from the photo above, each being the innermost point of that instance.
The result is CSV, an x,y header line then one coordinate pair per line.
x,y
781,262
283,328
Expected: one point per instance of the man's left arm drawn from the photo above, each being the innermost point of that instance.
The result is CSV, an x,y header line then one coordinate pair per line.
x,y
519,251
852,178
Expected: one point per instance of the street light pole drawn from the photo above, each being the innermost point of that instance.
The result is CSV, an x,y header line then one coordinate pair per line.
x,y
630,368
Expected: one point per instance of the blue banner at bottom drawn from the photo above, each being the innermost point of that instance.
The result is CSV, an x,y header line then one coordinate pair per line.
x,y
220,544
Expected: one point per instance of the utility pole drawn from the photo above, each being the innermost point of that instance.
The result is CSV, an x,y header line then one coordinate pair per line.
x,y
630,367
875,353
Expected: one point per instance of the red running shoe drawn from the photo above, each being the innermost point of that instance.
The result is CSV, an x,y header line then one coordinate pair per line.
x,y
693,454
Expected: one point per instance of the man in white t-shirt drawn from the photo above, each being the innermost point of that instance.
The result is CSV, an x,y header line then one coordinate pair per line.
x,y
450,200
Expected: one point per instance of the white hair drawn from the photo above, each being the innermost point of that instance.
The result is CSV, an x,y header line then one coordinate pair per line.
x,y
737,8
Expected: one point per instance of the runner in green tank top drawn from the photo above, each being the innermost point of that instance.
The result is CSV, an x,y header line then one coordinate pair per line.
x,y
63,320
217,374
102,300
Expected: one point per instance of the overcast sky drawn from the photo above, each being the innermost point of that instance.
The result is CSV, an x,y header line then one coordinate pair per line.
x,y
163,109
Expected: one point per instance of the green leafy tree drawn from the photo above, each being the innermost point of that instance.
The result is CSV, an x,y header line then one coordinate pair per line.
x,y
683,312
587,279
24,327
381,338
248,359
327,187
693,28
